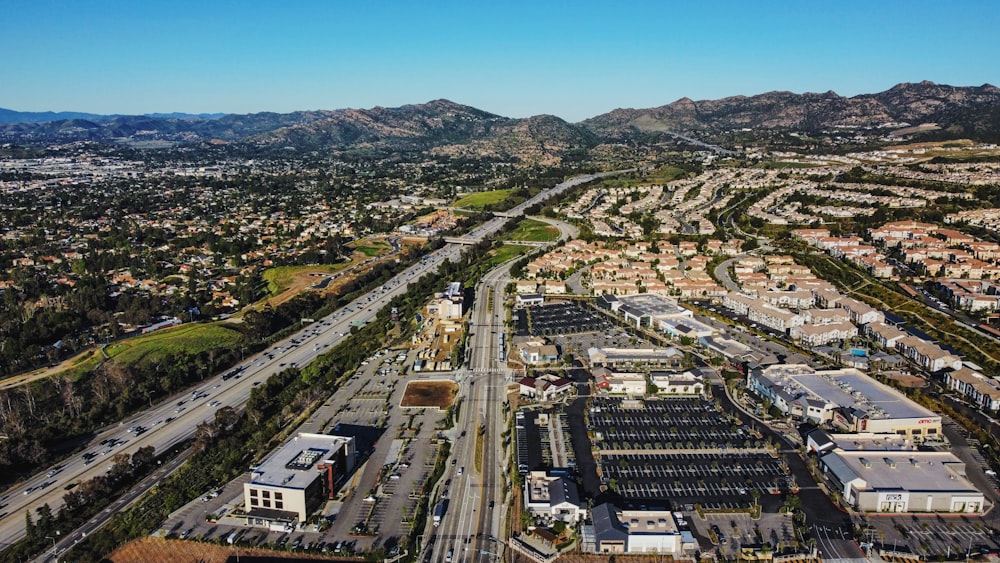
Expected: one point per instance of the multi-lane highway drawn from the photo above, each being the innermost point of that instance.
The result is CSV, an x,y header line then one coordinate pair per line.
x,y
175,419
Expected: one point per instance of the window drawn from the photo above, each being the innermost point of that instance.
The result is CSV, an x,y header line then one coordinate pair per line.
x,y
277,495
267,494
267,504
253,493
279,505
253,501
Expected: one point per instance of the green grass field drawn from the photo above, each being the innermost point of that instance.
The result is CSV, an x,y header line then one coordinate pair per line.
x,y
83,366
161,345
534,231
506,252
661,175
371,247
280,278
479,200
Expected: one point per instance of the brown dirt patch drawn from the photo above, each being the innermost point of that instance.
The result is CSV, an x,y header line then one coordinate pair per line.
x,y
156,550
910,381
440,394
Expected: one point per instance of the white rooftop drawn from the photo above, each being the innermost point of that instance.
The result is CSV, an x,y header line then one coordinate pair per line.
x,y
293,465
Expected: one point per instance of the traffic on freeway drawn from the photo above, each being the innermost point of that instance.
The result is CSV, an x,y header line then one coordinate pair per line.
x,y
175,419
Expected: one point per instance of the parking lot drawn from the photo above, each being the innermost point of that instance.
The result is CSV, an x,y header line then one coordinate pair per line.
x,y
374,506
560,318
543,440
686,451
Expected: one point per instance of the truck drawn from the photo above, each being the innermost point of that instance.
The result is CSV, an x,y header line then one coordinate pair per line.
x,y
439,512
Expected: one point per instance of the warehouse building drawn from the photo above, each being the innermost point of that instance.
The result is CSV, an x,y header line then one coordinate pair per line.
x,y
297,479
902,481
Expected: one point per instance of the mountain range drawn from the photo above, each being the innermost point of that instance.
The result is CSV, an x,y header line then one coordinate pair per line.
x,y
442,125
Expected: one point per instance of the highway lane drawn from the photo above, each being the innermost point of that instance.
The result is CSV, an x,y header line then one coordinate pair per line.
x,y
172,421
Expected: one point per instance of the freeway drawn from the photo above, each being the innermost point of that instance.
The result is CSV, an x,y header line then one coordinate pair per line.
x,y
174,420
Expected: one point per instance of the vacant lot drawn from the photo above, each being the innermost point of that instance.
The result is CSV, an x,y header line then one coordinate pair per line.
x,y
438,394
176,551
172,342
534,231
506,252
479,200
283,278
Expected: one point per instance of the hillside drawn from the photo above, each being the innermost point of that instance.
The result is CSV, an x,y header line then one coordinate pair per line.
x,y
446,127
972,111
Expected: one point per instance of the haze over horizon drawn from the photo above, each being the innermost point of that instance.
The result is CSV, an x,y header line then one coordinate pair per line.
x,y
521,59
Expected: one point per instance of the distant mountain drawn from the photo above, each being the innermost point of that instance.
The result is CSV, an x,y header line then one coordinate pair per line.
x,y
12,116
439,125
972,111
443,126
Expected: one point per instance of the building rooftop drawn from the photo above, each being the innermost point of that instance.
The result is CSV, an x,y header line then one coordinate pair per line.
x,y
902,471
848,388
653,305
293,465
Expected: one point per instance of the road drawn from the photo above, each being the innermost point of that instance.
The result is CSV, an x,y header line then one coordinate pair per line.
x,y
477,509
175,419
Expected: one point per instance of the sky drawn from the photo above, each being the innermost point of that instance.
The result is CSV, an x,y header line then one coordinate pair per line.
x,y
574,59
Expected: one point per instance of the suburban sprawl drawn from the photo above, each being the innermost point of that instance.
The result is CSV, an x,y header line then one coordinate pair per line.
x,y
516,340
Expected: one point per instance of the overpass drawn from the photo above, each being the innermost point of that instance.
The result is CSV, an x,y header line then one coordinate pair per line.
x,y
461,240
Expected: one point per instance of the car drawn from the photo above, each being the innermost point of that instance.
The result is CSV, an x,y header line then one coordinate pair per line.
x,y
461,470
179,409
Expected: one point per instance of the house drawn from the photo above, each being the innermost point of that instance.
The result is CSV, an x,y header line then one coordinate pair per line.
x,y
525,286
555,287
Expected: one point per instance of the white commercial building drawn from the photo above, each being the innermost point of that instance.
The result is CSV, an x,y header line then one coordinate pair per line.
x,y
297,479
637,531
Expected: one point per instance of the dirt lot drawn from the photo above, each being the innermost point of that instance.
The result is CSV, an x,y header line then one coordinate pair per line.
x,y
149,550
438,394
911,381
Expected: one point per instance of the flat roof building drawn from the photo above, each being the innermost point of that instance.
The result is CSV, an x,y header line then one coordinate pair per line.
x,y
846,398
648,309
296,479
635,531
902,481
634,357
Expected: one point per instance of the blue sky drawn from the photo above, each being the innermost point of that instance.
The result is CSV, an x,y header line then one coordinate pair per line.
x,y
574,59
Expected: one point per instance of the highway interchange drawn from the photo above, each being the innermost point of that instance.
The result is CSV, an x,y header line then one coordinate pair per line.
x,y
174,420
